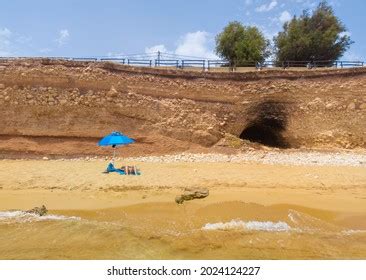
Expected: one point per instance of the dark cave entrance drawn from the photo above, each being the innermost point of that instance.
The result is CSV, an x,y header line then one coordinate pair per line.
x,y
268,121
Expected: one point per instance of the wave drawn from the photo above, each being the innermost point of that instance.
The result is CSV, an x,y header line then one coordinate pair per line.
x,y
22,216
353,231
250,225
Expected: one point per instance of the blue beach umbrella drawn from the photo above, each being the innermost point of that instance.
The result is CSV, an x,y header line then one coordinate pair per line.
x,y
115,139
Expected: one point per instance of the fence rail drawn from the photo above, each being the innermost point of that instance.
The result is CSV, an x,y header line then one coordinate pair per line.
x,y
216,63
120,60
84,58
207,64
193,63
350,63
146,62
167,62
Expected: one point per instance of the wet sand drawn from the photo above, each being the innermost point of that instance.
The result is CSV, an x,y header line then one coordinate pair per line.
x,y
253,211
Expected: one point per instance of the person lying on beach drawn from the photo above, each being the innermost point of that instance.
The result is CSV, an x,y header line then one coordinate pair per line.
x,y
124,170
130,170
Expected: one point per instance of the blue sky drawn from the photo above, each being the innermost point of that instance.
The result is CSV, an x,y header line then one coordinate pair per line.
x,y
184,27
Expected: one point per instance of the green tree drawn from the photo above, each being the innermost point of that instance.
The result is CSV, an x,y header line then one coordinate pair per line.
x,y
319,36
240,44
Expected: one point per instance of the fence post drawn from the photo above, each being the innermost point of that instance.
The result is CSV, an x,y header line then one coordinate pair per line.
x,y
158,58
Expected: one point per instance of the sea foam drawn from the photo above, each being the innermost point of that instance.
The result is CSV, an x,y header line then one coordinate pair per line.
x,y
249,225
21,216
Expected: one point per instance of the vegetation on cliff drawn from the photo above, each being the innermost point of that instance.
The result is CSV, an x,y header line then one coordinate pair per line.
x,y
241,44
316,36
319,36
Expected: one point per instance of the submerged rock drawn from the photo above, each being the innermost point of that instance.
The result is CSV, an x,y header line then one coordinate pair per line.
x,y
40,211
192,193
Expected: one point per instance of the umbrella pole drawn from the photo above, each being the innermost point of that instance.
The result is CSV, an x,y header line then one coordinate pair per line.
x,y
114,154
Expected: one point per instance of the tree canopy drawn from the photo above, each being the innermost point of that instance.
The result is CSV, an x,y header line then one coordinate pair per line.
x,y
240,44
319,36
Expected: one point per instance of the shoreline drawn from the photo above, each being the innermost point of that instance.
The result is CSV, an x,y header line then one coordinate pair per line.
x,y
253,210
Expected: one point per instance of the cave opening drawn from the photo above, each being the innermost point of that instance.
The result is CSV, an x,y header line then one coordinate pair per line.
x,y
268,120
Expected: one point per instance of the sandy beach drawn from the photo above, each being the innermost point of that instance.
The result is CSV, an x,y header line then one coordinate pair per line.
x,y
254,209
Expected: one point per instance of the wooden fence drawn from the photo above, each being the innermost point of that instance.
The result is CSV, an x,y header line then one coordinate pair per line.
x,y
207,65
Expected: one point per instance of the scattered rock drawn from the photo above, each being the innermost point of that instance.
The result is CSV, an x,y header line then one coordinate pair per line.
x,y
112,92
45,158
331,105
192,193
40,211
267,156
179,199
351,106
2,86
315,102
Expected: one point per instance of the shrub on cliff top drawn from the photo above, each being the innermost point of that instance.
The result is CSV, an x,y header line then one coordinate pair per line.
x,y
319,36
240,44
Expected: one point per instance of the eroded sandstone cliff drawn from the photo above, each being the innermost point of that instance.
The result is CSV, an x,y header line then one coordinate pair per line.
x,y
46,103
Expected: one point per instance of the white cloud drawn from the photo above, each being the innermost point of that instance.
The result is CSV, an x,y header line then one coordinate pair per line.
x,y
285,16
13,43
267,7
5,44
156,48
195,44
4,32
63,37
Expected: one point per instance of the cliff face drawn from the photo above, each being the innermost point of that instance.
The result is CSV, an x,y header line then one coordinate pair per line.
x,y
80,100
